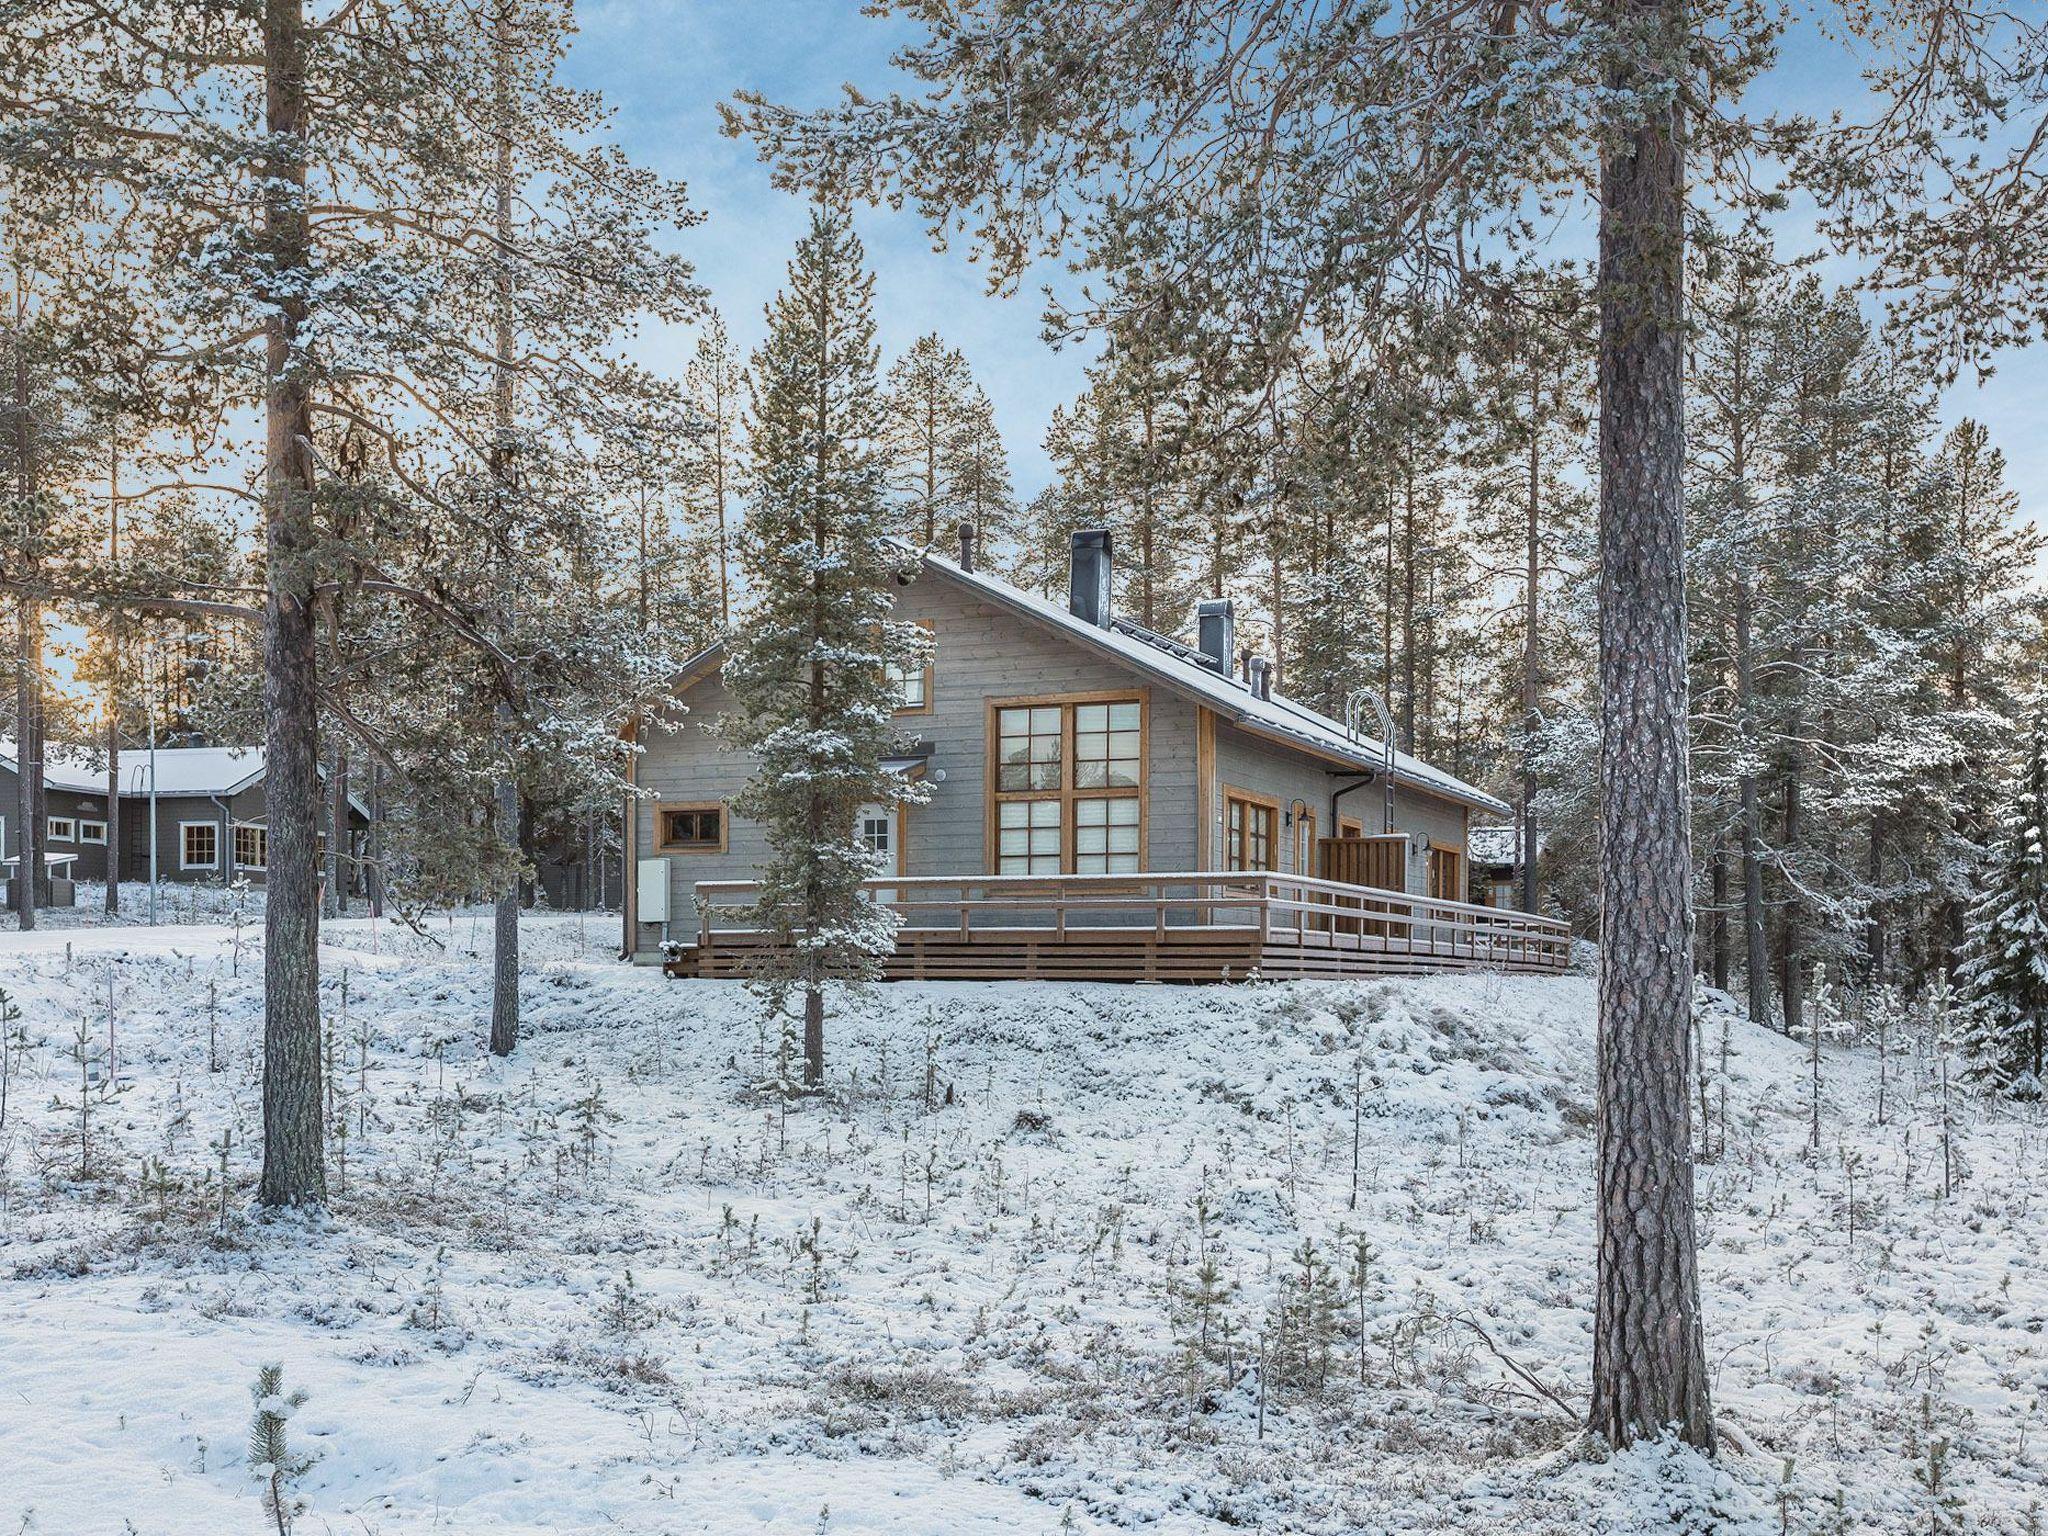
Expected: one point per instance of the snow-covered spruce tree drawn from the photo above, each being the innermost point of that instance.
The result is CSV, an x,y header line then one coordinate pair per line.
x,y
808,671
2004,974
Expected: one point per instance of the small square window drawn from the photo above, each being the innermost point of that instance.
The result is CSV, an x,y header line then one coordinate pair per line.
x,y
94,832
199,845
62,829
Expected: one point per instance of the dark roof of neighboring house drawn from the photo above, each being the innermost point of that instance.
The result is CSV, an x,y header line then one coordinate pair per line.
x,y
1181,669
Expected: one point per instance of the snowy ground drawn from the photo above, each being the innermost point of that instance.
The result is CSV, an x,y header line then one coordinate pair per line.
x,y
613,1286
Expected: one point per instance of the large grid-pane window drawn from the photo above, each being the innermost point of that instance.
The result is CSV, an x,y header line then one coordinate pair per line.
x,y
1028,837
1069,782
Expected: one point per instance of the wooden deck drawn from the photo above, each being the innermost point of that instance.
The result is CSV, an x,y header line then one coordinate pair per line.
x,y
1160,927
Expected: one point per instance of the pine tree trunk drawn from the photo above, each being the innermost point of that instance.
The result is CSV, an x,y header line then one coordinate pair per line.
x,y
332,866
1717,935
373,882
1791,937
1755,959
293,1170
28,665
1649,1363
1532,674
28,842
505,945
114,639
814,1038
505,792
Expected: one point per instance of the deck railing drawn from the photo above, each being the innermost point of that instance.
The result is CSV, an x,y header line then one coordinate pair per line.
x,y
1282,912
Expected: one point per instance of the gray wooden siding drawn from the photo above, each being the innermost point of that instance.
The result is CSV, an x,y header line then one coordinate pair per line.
x,y
979,654
984,653
1247,762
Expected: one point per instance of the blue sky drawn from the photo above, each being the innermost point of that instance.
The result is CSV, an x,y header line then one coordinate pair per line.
x,y
665,64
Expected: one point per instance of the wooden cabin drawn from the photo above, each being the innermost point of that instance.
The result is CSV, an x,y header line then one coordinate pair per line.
x,y
1104,802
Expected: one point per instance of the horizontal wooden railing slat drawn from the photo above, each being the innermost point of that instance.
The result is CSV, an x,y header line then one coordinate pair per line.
x,y
1163,925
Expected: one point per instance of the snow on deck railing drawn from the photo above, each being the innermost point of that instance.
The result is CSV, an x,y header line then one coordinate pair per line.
x,y
1283,909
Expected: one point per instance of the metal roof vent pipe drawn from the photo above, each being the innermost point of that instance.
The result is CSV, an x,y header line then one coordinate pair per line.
x,y
1261,678
1088,580
1216,633
967,546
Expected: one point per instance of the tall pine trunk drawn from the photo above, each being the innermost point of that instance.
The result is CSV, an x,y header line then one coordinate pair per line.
x,y
505,792
1756,965
28,658
293,1166
1532,674
1649,1361
114,658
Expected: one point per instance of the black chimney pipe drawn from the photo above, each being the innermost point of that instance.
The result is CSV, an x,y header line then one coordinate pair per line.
x,y
1088,580
966,545
1216,633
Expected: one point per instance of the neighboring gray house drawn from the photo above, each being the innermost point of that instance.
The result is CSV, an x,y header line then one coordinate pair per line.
x,y
210,822
1068,741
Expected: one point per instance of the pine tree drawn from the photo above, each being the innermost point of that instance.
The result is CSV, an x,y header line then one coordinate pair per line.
x,y
716,385
927,404
2003,979
811,699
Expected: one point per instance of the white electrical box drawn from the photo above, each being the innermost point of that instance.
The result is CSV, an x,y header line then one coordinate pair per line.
x,y
651,889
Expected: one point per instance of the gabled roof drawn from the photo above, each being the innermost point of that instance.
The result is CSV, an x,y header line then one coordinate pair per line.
x,y
1177,667
188,772
1180,668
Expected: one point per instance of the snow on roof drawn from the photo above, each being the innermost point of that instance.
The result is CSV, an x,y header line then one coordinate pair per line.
x,y
179,770
1277,717
1496,845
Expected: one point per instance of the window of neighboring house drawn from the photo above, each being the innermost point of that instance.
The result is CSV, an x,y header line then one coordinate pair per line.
x,y
1069,787
1250,824
199,845
62,829
913,685
690,828
93,832
252,847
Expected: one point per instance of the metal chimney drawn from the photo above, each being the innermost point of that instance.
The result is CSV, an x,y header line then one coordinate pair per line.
x,y
1261,678
1088,581
966,545
1216,633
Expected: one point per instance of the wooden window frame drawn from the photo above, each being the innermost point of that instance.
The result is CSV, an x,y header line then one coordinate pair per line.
x,y
1066,794
213,831
1274,846
930,670
1350,826
85,841
661,840
262,830
68,835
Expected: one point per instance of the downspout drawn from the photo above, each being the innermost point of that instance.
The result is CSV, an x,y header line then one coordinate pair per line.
x,y
227,839
1342,790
